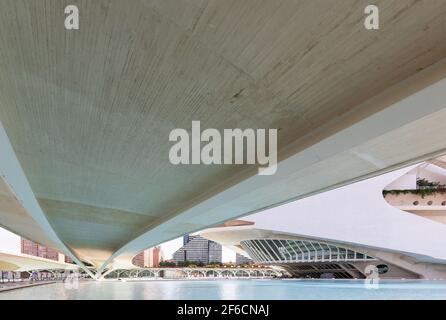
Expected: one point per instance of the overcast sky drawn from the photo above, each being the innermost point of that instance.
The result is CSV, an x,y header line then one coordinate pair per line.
x,y
9,242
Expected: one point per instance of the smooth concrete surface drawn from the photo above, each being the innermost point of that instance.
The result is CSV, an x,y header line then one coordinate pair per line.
x,y
24,262
88,112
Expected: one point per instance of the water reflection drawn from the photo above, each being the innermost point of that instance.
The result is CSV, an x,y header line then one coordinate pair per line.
x,y
235,289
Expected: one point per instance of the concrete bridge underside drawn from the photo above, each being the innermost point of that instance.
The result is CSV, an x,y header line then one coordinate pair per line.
x,y
87,113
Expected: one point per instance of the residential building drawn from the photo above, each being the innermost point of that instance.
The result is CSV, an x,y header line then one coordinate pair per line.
x,y
34,249
185,239
199,249
240,259
149,258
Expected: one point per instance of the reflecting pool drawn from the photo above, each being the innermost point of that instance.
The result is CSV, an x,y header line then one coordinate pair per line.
x,y
234,289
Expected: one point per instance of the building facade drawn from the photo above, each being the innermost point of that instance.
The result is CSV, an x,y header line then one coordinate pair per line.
x,y
138,260
149,258
242,260
304,257
34,249
199,250
308,259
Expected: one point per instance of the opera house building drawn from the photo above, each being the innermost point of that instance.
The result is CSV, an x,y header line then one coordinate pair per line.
x,y
348,232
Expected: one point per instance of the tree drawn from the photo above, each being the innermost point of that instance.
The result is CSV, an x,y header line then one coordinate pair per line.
x,y
168,264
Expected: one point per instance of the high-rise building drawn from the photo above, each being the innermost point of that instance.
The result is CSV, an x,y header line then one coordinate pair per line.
x,y
35,249
215,252
149,258
138,260
185,239
29,247
241,259
157,256
198,249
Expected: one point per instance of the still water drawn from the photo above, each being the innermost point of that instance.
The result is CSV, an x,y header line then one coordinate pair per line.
x,y
235,289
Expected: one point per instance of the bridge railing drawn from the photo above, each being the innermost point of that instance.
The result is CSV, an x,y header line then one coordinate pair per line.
x,y
193,273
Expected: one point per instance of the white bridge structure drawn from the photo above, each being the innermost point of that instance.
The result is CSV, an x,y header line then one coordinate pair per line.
x,y
141,273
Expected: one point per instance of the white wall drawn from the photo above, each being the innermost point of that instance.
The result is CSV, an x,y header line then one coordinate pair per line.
x,y
9,241
406,181
433,173
427,171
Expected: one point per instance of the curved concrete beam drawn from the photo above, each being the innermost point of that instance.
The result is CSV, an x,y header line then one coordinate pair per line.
x,y
11,172
23,262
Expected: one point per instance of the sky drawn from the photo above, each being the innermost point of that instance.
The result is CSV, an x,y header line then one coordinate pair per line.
x,y
10,242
